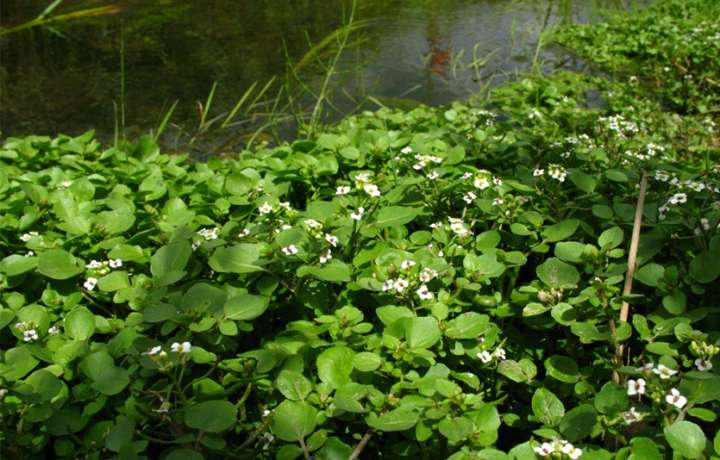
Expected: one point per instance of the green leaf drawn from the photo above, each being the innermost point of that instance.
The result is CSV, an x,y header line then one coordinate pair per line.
x,y
335,365
570,251
18,363
675,302
348,397
650,274
390,216
16,264
686,439
240,258
578,423
335,272
560,231
245,307
705,267
468,325
114,281
294,420
562,368
583,181
167,265
558,274
422,332
610,238
644,449
293,385
211,416
522,371
366,361
483,265
59,264
455,429
399,419
487,422
106,378
547,407
184,454
611,399
80,323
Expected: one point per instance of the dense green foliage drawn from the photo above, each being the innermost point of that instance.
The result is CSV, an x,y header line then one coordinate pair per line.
x,y
436,283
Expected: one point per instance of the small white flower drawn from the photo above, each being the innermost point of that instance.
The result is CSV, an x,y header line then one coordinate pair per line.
x,y
312,224
362,177
557,172
433,175
290,250
407,264
90,283
419,165
485,356
481,182
342,190
674,398
537,172
267,439
499,353
427,275
459,227
326,257
54,330
30,335
357,215
372,190
25,237
424,293
703,364
286,205
266,412
646,367
93,265
265,208
195,245
497,201
184,347
29,254
154,351
388,285
406,150
400,284
573,452
245,232
115,263
333,240
544,450
631,416
469,197
678,198
497,181
3,392
467,175
664,372
636,387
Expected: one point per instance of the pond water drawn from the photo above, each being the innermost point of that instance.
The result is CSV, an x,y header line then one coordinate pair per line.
x,y
120,73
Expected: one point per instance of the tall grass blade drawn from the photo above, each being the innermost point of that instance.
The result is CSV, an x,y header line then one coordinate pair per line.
x,y
165,121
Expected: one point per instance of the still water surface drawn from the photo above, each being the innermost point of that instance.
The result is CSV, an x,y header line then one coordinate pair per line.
x,y
88,73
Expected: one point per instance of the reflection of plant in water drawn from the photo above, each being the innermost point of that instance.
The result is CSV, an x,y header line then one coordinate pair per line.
x,y
45,19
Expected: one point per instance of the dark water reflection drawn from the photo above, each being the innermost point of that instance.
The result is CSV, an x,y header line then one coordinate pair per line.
x,y
68,79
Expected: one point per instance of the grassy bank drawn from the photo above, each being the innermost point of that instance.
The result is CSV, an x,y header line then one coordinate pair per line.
x,y
434,283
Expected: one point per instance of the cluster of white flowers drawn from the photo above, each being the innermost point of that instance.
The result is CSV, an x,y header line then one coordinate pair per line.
x,y
325,258
398,285
459,227
485,356
184,347
29,332
209,233
342,190
620,126
482,180
362,182
104,267
424,160
557,172
25,237
427,275
265,208
677,198
558,447
406,150
54,330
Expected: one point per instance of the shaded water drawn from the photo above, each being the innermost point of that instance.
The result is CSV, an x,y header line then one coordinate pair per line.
x,y
70,78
